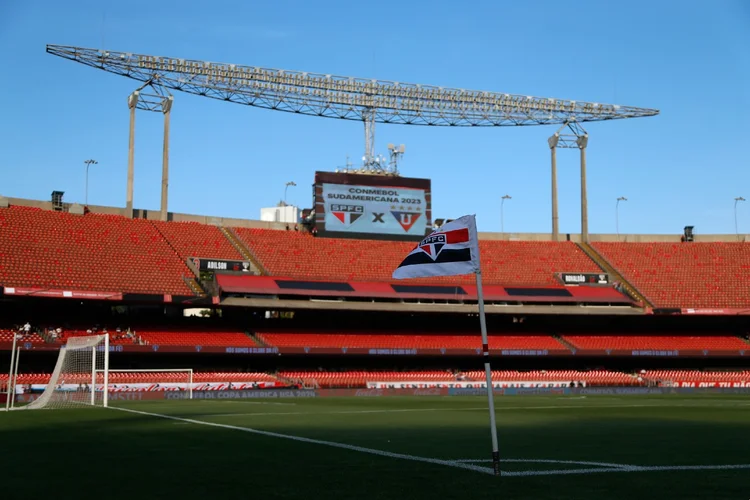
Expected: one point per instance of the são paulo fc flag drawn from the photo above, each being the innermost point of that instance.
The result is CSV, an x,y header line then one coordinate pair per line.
x,y
449,251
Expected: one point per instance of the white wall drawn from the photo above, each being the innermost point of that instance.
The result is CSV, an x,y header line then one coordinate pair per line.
x,y
287,214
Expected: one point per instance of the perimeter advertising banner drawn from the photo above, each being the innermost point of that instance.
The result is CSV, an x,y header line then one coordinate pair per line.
x,y
372,206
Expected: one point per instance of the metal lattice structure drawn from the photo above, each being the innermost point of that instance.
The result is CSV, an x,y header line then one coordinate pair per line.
x,y
369,101
346,98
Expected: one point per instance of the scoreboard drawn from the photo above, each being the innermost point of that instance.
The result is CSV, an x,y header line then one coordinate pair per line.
x,y
372,206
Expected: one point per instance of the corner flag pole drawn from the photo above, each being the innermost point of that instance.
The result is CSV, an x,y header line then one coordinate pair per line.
x,y
488,374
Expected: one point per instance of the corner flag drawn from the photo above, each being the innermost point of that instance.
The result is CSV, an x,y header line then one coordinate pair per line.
x,y
449,251
452,250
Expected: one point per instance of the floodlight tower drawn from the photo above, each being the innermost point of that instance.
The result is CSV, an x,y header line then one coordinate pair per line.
x,y
160,101
576,138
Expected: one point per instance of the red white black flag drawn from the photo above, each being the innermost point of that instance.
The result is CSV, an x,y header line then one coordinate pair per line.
x,y
449,251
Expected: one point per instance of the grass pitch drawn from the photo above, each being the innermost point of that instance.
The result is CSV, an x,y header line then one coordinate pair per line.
x,y
383,448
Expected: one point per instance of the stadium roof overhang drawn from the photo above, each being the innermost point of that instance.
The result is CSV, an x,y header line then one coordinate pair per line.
x,y
409,292
426,307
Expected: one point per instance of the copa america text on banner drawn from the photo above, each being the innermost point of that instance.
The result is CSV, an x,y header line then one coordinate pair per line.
x,y
451,250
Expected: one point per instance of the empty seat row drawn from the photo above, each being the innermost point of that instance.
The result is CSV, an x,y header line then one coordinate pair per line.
x,y
718,343
193,338
93,252
300,255
685,275
407,340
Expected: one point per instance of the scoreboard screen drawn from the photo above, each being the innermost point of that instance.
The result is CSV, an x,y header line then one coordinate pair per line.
x,y
372,206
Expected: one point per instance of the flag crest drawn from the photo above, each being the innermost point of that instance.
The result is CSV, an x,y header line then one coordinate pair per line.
x,y
449,251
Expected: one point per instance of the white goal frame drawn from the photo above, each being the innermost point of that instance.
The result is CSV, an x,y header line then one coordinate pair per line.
x,y
189,371
99,346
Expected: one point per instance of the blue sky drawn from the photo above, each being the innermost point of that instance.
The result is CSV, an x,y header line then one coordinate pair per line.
x,y
688,59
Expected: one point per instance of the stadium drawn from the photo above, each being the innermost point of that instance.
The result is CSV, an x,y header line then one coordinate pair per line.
x,y
279,357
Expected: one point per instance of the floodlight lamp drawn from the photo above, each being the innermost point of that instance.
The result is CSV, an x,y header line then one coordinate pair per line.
x,y
402,148
391,147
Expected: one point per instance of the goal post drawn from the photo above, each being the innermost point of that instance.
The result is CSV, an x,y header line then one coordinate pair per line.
x,y
80,377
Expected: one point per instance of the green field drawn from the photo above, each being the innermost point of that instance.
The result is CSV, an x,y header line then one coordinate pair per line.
x,y
381,448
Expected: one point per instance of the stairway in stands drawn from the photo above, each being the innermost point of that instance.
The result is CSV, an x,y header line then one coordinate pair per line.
x,y
190,281
257,340
564,342
629,289
244,251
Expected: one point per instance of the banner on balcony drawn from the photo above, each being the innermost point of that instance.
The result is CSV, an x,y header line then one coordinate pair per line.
x,y
221,265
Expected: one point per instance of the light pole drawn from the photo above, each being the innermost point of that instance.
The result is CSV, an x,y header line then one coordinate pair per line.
x,y
502,212
736,231
617,215
88,163
286,186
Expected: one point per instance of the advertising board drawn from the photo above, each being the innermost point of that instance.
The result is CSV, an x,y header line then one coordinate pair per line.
x,y
372,206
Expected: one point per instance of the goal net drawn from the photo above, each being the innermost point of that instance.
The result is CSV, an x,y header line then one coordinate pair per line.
x,y
129,385
80,377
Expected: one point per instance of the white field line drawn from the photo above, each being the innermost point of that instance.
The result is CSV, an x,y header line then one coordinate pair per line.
x,y
547,461
254,403
450,463
635,468
498,409
371,451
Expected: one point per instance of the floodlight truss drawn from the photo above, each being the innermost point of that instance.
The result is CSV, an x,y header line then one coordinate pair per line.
x,y
569,139
160,101
347,98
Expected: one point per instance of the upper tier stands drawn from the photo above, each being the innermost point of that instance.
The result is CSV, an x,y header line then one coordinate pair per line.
x,y
191,239
719,343
408,341
192,338
685,275
301,255
40,248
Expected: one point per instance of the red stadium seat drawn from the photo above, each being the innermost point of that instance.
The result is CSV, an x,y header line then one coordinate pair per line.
x,y
301,255
41,248
406,340
684,275
687,343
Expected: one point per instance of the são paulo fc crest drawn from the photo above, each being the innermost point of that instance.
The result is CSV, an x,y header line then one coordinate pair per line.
x,y
347,214
433,244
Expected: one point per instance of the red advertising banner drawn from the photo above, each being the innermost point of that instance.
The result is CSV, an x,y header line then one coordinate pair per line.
x,y
250,350
63,294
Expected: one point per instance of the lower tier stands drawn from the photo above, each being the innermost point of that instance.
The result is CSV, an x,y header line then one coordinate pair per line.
x,y
596,377
695,376
359,379
684,275
677,343
300,255
192,338
408,341
7,336
150,378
